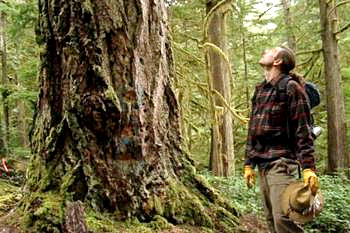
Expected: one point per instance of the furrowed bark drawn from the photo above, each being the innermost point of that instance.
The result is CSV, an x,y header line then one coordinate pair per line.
x,y
106,130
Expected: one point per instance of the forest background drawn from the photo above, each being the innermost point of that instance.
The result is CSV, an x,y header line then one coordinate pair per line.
x,y
250,27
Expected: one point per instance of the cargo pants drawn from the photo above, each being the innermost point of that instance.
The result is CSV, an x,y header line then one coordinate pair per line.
x,y
274,178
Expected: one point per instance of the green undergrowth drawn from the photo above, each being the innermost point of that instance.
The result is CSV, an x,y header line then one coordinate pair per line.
x,y
335,217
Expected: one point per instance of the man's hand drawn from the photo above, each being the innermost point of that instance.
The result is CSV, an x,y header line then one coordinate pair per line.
x,y
311,180
249,176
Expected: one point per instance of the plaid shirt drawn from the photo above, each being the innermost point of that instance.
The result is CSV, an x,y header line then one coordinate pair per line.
x,y
268,136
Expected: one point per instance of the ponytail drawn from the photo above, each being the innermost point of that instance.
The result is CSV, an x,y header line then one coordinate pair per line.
x,y
297,77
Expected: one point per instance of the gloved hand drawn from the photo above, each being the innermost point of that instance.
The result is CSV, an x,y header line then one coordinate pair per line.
x,y
249,176
311,180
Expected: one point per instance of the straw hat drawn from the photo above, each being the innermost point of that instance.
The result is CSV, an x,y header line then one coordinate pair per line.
x,y
299,204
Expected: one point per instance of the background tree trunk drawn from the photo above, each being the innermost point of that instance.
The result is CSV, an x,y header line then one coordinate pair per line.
x,y
5,91
106,130
337,153
288,24
21,121
221,157
22,124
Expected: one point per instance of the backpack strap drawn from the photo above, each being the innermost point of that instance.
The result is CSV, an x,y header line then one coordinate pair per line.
x,y
282,97
282,88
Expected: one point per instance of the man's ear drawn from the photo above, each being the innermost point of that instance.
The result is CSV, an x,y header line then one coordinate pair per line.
x,y
277,62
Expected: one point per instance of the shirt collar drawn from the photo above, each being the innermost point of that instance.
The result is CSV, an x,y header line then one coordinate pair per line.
x,y
272,83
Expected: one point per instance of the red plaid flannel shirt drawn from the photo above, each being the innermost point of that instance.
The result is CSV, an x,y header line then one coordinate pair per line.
x,y
267,136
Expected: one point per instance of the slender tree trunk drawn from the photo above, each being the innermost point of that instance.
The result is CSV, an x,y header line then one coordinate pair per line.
x,y
247,94
221,158
106,130
337,154
242,7
22,124
5,92
288,24
21,121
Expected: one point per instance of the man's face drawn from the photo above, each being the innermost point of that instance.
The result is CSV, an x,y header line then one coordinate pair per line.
x,y
268,57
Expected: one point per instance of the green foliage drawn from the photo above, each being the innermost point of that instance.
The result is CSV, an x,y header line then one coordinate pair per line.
x,y
243,199
21,15
22,67
335,189
335,215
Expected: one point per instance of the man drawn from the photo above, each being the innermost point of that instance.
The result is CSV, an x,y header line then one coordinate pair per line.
x,y
279,137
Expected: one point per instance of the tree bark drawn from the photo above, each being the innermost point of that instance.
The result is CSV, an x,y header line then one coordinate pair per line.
x,y
106,130
221,157
337,153
288,24
21,121
22,124
5,91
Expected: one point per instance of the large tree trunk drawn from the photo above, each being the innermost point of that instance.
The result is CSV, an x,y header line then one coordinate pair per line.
x,y
222,137
5,91
106,131
337,153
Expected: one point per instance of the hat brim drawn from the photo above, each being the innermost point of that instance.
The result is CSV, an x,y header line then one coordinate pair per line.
x,y
294,215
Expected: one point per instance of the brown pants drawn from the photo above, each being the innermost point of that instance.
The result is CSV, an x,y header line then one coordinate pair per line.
x,y
273,180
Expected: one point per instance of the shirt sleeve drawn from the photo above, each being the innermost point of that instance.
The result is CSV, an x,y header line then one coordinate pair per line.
x,y
300,125
249,147
249,144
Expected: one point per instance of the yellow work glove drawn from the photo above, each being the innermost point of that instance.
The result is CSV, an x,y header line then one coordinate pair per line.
x,y
249,176
311,180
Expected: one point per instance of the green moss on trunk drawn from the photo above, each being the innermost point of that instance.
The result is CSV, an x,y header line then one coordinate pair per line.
x,y
106,131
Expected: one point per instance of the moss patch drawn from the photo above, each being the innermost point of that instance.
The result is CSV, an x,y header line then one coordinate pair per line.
x,y
98,222
44,212
9,196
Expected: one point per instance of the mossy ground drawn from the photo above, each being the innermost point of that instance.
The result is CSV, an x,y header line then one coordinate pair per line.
x,y
47,207
44,212
334,217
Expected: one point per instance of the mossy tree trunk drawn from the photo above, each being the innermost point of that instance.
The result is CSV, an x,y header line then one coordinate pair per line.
x,y
221,155
337,154
106,129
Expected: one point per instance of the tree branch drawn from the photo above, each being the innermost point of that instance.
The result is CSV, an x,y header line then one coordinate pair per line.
x,y
262,14
210,14
343,29
220,52
233,111
177,46
339,4
309,51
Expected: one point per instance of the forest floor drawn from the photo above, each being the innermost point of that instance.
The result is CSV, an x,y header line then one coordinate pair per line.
x,y
11,194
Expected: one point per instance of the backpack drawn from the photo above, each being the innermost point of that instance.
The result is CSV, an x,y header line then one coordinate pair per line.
x,y
313,97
